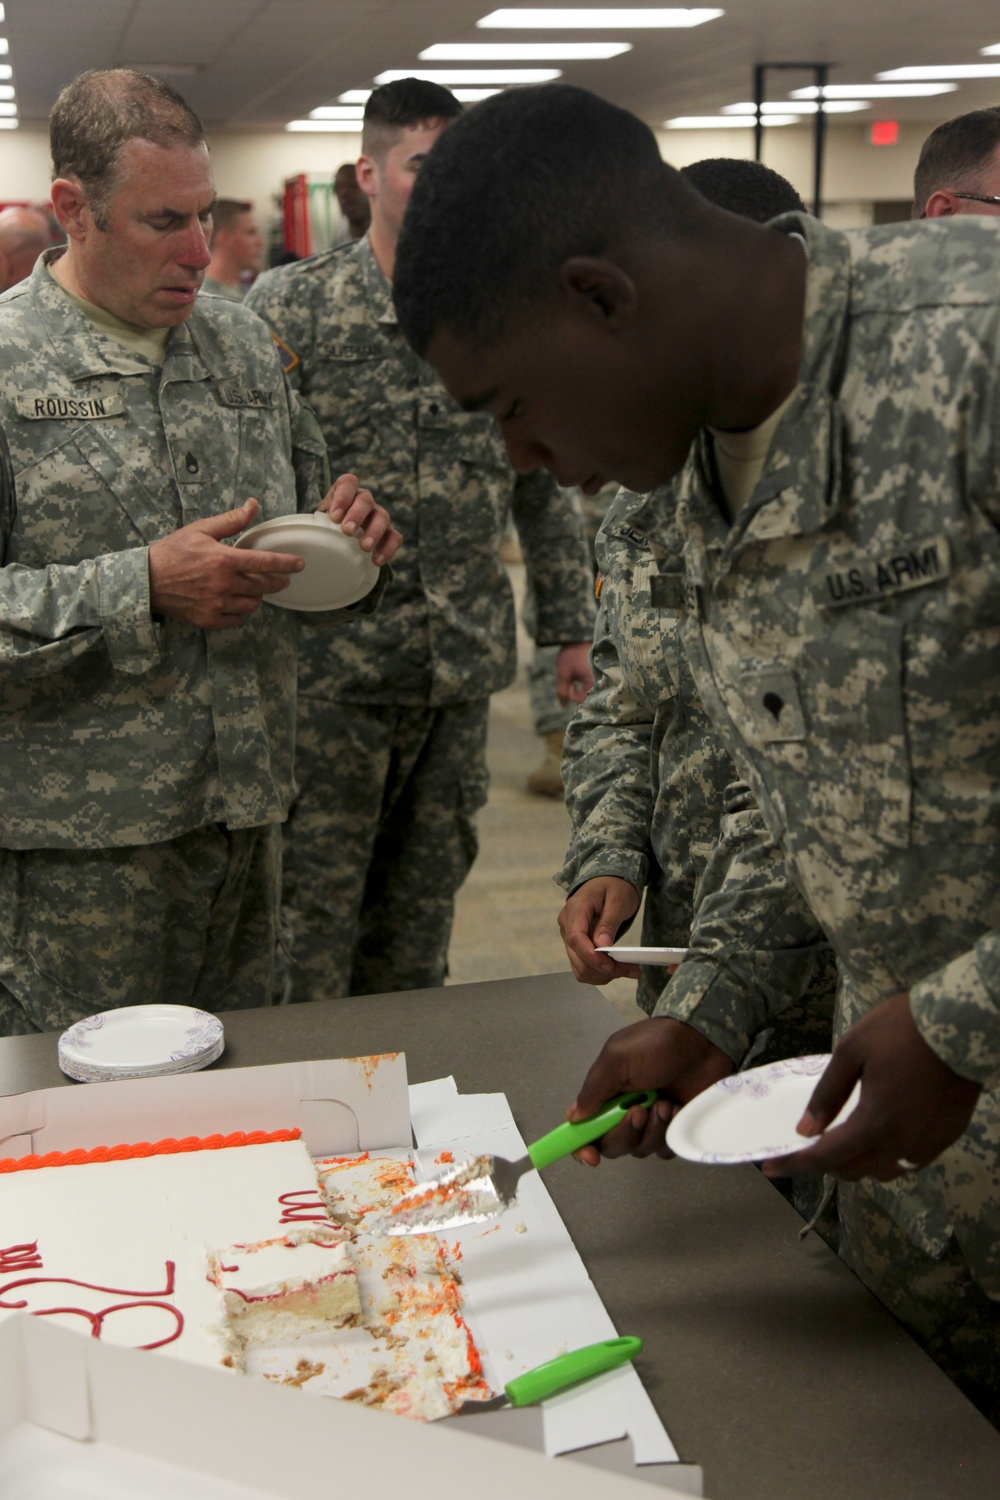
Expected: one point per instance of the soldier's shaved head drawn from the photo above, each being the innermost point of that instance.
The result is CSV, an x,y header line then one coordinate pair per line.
x,y
97,114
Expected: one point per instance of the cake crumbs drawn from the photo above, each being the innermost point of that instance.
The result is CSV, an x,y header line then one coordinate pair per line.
x,y
520,1228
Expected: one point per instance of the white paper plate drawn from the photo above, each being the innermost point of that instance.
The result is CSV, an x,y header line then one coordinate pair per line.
x,y
140,1041
751,1116
336,572
658,958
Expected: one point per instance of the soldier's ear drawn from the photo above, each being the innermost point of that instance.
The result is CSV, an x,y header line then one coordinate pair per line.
x,y
70,206
600,290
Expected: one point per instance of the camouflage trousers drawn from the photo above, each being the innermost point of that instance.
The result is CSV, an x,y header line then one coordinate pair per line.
x,y
936,1300
192,921
380,837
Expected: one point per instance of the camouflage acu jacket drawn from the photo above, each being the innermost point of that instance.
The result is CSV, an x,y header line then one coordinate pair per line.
x,y
445,630
117,728
844,635
651,791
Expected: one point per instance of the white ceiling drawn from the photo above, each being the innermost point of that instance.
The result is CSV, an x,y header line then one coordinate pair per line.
x,y
259,63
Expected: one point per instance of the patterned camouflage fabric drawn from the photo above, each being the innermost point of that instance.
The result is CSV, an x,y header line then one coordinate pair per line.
x,y
193,920
444,636
415,843
843,635
548,715
117,729
221,289
648,785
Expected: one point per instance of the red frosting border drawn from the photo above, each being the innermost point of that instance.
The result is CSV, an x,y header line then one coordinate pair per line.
x,y
167,1147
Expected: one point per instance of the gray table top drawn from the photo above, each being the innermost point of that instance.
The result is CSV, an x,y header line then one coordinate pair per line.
x,y
767,1360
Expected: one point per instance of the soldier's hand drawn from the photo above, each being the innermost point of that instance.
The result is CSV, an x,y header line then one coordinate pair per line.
x,y
912,1105
194,578
590,920
359,516
574,679
660,1054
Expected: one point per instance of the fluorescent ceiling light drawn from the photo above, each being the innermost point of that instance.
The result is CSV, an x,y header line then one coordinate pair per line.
x,y
6,71
4,46
355,96
948,70
522,51
799,107
8,109
597,20
6,91
354,112
875,90
449,76
984,51
8,124
473,96
343,127
724,122
3,16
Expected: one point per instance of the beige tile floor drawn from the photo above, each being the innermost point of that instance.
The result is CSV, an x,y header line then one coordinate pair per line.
x,y
505,917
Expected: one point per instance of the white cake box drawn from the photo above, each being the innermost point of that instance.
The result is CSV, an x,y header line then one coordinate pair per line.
x,y
83,1418
527,1291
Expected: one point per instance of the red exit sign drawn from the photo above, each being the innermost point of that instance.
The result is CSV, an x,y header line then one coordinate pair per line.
x,y
885,133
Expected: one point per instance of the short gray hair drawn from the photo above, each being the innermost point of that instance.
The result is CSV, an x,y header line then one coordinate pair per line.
x,y
96,116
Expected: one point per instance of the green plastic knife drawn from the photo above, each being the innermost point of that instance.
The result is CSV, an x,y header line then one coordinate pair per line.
x,y
558,1375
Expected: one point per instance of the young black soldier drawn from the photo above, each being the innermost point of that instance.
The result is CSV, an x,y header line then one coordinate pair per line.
x,y
842,616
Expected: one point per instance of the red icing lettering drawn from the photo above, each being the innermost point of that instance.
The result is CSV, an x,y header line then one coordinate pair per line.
x,y
20,1258
96,1319
310,1210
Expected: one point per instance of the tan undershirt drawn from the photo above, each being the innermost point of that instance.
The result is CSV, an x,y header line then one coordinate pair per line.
x,y
740,456
151,343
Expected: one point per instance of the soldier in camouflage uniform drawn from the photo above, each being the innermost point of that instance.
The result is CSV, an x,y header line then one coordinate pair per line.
x,y
841,620
147,717
399,704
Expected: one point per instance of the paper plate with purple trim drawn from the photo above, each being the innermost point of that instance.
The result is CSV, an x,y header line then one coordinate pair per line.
x,y
140,1041
751,1116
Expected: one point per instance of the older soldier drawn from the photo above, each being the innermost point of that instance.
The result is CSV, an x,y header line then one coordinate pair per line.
x,y
959,167
146,698
840,517
398,706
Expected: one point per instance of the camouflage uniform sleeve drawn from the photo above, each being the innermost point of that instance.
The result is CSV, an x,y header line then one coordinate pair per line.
x,y
606,770
284,305
957,1011
755,943
51,616
550,527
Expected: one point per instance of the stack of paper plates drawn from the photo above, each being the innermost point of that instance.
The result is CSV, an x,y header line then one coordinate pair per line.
x,y
140,1041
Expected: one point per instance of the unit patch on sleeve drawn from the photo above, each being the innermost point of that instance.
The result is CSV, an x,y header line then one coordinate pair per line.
x,y
288,359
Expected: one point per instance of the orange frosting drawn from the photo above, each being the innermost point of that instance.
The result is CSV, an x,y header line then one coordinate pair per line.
x,y
168,1147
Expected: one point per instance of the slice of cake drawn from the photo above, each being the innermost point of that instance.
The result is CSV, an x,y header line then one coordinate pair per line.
x,y
359,1188
300,1283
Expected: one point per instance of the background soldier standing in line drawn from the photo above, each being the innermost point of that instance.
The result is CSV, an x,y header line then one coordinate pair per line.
x,y
834,417
399,706
146,700
236,246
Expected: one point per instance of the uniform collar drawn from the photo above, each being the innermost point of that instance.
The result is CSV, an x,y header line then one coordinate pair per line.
x,y
84,352
799,489
378,289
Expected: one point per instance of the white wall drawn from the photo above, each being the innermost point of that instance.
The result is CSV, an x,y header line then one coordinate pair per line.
x,y
255,165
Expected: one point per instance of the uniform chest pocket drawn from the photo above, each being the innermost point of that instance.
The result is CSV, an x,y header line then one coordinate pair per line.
x,y
77,498
829,733
364,403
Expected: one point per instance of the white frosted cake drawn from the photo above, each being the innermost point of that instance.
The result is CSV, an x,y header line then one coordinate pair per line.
x,y
228,1255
